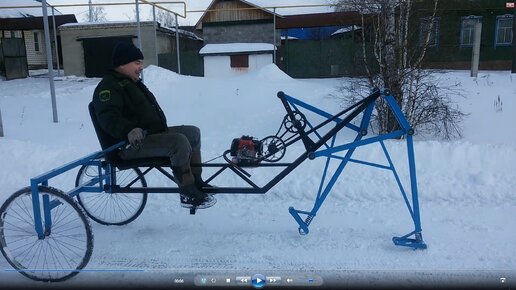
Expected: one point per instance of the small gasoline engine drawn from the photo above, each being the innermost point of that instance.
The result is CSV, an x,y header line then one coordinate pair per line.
x,y
246,151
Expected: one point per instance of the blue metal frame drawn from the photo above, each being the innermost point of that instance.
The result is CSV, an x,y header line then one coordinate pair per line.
x,y
324,147
330,153
43,227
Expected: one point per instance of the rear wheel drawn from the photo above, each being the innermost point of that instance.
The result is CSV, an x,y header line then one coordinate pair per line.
x,y
113,208
63,250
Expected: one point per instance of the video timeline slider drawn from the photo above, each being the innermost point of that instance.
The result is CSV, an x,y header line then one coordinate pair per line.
x,y
258,280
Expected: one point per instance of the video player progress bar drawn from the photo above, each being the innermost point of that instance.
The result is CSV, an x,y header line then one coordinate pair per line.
x,y
75,270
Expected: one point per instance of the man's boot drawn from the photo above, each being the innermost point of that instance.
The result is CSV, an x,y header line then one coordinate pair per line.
x,y
196,160
191,196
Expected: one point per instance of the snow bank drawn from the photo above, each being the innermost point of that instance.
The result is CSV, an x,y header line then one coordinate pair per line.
x,y
466,186
270,72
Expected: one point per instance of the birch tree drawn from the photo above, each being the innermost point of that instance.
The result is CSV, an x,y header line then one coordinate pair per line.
x,y
397,66
98,14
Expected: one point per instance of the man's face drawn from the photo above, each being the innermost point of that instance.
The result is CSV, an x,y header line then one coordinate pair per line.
x,y
132,69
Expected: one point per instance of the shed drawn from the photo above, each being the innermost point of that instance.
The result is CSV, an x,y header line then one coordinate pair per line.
x,y
230,59
87,47
22,43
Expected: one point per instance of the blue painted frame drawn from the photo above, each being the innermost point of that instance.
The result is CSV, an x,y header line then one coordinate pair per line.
x,y
329,152
319,148
44,226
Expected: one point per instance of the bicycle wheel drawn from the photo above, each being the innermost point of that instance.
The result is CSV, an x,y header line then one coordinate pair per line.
x,y
65,248
112,208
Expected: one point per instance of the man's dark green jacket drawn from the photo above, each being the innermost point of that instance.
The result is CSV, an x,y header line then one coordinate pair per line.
x,y
122,105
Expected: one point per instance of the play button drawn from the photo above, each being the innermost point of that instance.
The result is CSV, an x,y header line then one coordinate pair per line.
x,y
258,281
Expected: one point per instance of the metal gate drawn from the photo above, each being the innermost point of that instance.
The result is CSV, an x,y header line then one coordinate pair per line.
x,y
14,58
97,54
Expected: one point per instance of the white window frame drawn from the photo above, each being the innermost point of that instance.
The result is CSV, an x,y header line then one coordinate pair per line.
x,y
507,30
468,32
37,41
423,23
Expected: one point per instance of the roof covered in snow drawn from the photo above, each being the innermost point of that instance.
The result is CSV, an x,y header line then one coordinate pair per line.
x,y
118,24
23,8
235,48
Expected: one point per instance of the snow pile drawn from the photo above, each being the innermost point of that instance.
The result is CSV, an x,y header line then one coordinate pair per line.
x,y
270,72
156,74
466,186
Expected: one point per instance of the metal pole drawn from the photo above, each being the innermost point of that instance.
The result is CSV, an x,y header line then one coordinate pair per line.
x,y
476,50
49,60
1,126
513,70
155,34
90,16
177,47
139,30
55,43
274,35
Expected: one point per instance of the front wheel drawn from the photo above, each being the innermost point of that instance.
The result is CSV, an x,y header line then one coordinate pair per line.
x,y
113,208
66,245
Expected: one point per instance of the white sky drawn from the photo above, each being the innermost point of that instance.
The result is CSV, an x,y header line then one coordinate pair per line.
x,y
125,12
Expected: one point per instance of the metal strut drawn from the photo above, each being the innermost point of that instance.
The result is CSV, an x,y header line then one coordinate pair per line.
x,y
329,151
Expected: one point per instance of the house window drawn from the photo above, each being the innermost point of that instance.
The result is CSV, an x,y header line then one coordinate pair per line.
x,y
503,30
427,25
240,61
12,34
467,30
36,41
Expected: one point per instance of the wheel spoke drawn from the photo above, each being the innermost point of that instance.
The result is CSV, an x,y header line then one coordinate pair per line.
x,y
64,249
113,208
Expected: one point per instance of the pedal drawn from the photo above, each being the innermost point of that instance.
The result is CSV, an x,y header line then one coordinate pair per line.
x,y
193,210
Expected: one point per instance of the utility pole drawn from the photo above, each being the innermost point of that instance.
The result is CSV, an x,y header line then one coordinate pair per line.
x,y
49,60
475,57
56,46
139,30
177,47
1,126
513,70
90,15
274,35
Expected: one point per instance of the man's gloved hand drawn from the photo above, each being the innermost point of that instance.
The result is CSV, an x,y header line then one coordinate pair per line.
x,y
135,137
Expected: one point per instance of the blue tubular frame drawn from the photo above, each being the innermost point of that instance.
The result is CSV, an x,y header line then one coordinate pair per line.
x,y
330,150
325,146
43,225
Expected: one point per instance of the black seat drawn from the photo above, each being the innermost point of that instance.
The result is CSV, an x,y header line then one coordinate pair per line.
x,y
112,157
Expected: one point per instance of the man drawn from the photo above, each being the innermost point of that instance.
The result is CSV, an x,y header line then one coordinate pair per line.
x,y
127,110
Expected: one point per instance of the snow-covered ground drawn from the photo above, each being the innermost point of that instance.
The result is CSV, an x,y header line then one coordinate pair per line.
x,y
466,188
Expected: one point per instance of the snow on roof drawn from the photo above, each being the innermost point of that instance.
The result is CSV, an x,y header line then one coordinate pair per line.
x,y
347,29
307,6
228,48
23,12
187,33
289,7
113,24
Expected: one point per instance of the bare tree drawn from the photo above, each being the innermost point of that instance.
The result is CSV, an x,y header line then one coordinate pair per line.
x,y
165,18
98,14
397,65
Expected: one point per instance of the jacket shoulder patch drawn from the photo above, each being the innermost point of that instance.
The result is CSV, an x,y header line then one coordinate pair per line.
x,y
123,83
105,95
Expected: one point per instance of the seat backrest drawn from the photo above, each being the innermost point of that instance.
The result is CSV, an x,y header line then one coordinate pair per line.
x,y
104,138
107,140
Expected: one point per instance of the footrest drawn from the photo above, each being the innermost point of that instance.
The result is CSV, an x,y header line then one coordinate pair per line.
x,y
408,242
303,224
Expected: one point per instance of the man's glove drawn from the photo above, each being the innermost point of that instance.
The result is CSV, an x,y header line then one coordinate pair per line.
x,y
135,137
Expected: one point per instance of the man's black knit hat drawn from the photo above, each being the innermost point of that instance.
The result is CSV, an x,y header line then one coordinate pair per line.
x,y
125,52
